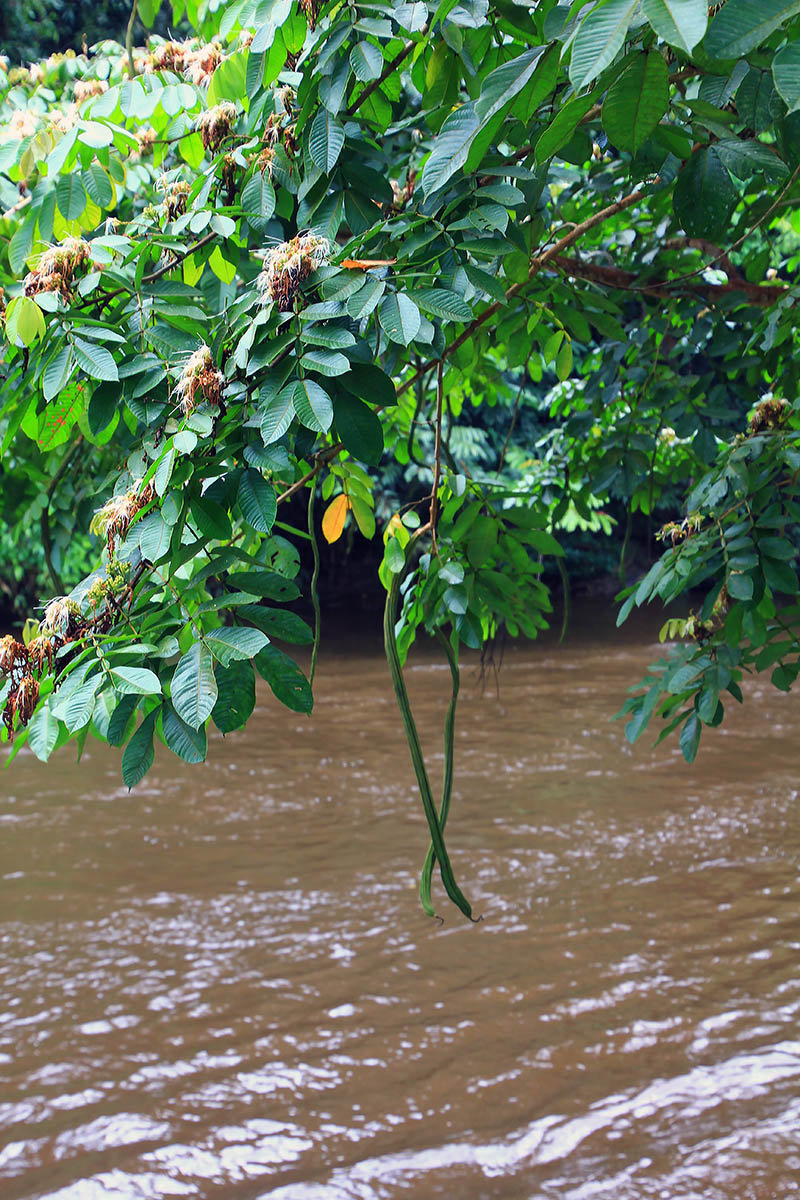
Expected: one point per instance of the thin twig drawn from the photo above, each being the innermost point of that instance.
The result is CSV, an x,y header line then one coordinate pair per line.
x,y
385,73
129,38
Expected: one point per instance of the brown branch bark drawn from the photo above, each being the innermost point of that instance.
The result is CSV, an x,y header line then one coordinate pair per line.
x,y
615,277
385,73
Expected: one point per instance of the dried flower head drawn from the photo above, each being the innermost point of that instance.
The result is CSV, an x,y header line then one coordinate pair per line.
x,y
21,700
169,56
215,124
114,519
175,198
287,265
203,62
40,651
199,380
13,659
311,10
86,88
61,617
56,269
769,413
145,138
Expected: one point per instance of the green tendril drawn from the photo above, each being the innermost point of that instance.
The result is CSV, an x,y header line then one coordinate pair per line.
x,y
438,849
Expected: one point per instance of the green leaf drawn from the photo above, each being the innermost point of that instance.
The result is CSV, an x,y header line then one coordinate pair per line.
x,y
704,195
71,196
154,536
135,680
194,689
504,82
139,754
312,405
287,681
450,148
741,25
236,698
562,127
599,39
258,199
690,737
399,317
326,141
120,719
682,23
76,708
636,102
366,298
366,61
24,321
358,428
371,384
232,642
189,744
744,159
257,500
43,732
268,584
57,372
786,73
542,541
229,81
95,360
97,183
326,362
277,415
442,302
279,623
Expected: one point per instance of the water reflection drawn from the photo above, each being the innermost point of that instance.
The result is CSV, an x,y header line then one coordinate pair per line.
x,y
221,985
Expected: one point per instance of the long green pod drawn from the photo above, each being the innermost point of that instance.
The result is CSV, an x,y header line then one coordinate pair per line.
x,y
412,737
447,781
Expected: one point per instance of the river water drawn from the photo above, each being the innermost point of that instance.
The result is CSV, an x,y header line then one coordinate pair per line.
x,y
221,986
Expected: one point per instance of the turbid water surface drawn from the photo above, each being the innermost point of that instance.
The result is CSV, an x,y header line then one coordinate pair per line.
x,y
222,987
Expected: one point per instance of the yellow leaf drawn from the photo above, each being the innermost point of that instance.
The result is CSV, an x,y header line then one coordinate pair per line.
x,y
334,517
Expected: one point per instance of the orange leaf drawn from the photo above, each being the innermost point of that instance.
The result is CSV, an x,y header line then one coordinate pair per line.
x,y
334,517
363,263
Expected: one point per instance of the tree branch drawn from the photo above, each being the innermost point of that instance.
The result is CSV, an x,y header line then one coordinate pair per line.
x,y
536,264
385,73
129,38
616,277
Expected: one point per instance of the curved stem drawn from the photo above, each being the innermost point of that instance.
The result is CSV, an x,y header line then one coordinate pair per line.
x,y
447,781
567,591
312,533
412,737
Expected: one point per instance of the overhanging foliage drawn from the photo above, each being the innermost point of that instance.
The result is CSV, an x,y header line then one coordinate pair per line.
x,y
286,253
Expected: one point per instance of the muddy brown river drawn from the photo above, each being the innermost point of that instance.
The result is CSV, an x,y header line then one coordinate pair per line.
x,y
222,987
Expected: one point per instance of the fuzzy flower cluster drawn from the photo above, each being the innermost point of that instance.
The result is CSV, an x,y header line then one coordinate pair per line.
x,y
114,519
287,265
769,413
24,665
197,63
215,124
175,198
86,88
57,267
199,380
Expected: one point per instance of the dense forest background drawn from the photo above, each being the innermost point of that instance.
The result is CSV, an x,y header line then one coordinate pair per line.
x,y
31,29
